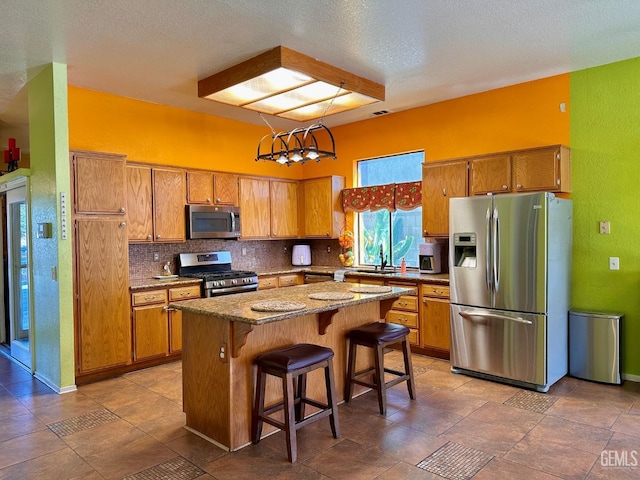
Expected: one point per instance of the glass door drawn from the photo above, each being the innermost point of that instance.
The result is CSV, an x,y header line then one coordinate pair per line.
x,y
19,297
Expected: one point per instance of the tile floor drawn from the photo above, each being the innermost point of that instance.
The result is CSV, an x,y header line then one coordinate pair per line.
x,y
458,428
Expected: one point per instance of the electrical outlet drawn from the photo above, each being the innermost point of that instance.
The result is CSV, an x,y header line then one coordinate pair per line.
x,y
614,263
156,256
285,249
328,248
605,227
244,251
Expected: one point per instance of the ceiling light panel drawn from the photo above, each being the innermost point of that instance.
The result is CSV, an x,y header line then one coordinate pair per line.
x,y
305,95
342,103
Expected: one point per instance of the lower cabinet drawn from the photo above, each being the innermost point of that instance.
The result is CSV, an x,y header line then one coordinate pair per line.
x,y
156,328
435,326
405,311
276,281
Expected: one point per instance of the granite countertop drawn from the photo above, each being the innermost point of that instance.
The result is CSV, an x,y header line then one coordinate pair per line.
x,y
145,283
237,307
412,275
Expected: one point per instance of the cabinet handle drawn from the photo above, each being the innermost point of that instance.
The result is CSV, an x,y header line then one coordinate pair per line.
x,y
274,234
404,304
123,224
121,209
218,200
208,200
158,237
519,185
149,237
504,187
402,319
558,182
328,234
444,192
150,297
184,294
169,309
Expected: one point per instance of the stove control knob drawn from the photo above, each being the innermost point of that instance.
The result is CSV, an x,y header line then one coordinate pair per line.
x,y
216,284
234,282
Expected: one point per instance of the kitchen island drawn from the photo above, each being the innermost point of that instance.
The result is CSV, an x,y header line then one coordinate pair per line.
x,y
223,335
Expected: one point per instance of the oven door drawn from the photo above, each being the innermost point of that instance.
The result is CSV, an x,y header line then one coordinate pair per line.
x,y
217,292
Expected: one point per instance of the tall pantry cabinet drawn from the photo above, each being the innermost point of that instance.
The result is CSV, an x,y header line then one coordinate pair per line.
x,y
101,268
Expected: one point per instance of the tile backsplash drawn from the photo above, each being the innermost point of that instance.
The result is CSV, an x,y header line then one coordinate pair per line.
x,y
260,255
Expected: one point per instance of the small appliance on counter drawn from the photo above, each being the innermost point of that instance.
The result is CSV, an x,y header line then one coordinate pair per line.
x,y
301,255
429,258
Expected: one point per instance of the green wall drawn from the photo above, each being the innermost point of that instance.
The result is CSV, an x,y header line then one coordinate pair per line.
x,y
605,172
51,257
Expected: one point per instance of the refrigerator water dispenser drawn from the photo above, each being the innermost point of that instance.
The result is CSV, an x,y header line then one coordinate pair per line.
x,y
464,250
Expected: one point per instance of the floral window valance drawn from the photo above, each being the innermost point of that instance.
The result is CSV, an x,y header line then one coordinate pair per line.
x,y
403,196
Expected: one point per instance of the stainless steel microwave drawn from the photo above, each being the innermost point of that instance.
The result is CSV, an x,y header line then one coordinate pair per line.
x,y
207,221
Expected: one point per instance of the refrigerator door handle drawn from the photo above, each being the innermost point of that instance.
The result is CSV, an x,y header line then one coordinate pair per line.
x,y
469,316
496,251
487,253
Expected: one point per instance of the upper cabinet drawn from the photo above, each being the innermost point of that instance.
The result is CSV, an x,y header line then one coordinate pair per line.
x,y
440,182
268,208
155,201
530,170
546,169
99,183
490,174
321,207
209,188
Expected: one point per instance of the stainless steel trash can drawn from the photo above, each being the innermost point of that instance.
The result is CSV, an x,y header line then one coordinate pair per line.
x,y
594,346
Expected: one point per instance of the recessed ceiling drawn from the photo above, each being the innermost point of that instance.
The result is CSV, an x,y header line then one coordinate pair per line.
x,y
422,51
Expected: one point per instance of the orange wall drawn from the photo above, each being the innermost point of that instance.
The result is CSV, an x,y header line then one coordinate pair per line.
x,y
152,133
518,116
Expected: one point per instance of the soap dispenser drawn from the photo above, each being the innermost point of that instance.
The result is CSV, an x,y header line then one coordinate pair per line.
x,y
167,269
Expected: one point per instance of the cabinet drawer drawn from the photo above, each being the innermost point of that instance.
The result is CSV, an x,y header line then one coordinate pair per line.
x,y
288,280
406,303
413,287
407,319
267,282
184,293
413,337
148,297
435,290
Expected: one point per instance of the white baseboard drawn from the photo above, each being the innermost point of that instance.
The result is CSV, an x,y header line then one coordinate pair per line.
x,y
631,378
53,386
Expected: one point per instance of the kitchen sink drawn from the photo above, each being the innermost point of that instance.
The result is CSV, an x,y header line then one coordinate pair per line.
x,y
371,270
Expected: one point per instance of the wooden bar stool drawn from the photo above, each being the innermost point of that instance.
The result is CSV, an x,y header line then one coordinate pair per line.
x,y
378,336
292,364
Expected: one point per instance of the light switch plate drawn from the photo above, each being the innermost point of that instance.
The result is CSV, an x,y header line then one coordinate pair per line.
x,y
614,263
605,227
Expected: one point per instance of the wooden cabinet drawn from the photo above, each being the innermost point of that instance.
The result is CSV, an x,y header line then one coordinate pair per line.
x,y
210,188
490,174
168,205
284,209
269,208
277,281
155,202
99,183
139,203
103,337
435,330
542,169
405,311
440,182
321,207
156,328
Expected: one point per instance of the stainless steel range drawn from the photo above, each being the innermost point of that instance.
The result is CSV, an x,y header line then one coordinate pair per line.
x,y
214,268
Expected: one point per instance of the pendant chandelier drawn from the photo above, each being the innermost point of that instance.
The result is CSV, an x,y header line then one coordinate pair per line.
x,y
297,146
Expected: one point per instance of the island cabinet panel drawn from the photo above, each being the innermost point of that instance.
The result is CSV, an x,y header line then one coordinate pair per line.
x,y
321,207
99,183
103,336
168,205
225,417
255,207
150,332
440,182
139,203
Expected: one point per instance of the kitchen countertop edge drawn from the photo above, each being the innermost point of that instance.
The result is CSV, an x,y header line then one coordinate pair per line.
x,y
442,278
145,283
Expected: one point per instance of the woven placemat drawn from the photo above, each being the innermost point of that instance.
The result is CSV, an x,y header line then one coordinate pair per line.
x,y
331,296
278,306
370,289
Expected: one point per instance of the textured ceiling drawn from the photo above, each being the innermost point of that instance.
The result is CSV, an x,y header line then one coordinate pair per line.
x,y
423,51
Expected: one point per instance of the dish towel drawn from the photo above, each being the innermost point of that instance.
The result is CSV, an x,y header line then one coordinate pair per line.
x,y
338,275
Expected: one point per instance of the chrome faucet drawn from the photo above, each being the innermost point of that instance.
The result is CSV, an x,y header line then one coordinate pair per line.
x,y
383,261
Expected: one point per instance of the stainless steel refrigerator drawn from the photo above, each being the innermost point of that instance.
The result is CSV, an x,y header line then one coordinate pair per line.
x,y
510,277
